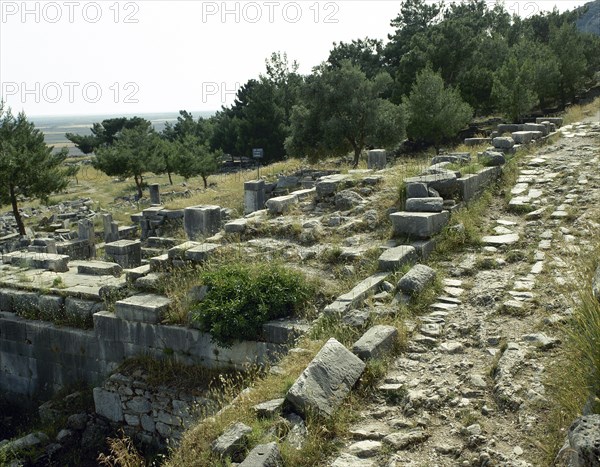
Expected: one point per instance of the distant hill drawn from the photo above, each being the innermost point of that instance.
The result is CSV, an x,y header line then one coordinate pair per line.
x,y
590,21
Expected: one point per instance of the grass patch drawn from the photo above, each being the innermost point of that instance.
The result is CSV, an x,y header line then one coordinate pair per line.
x,y
577,113
465,227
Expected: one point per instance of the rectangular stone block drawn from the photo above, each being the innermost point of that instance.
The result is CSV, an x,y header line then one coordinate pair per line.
x,y
100,268
284,331
376,159
419,224
201,253
326,381
126,253
178,251
281,204
394,258
201,221
376,342
146,308
433,204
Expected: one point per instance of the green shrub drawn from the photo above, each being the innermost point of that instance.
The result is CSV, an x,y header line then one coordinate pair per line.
x,y
242,297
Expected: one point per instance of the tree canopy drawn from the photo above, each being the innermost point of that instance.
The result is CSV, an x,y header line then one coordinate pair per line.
x,y
28,167
342,110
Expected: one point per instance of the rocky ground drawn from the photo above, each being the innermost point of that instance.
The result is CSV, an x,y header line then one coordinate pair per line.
x,y
470,389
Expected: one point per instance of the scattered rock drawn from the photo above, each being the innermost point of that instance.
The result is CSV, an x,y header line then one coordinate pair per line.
x,y
327,380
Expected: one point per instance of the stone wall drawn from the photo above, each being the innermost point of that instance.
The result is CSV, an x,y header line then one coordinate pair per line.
x,y
37,358
151,415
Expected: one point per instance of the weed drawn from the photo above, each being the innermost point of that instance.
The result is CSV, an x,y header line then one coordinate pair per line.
x,y
242,297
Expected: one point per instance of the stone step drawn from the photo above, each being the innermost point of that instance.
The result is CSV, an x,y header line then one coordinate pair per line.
x,y
145,308
100,268
201,253
419,224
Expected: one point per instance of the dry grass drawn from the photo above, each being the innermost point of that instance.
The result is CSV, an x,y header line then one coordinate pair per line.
x,y
577,113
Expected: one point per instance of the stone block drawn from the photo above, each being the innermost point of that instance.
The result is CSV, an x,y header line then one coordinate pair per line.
x,y
424,204
160,263
376,159
284,331
376,342
263,455
178,251
419,224
281,204
146,308
108,405
131,275
394,258
444,183
492,158
328,185
536,127
201,221
254,196
558,121
24,301
415,280
476,141
201,253
126,253
452,158
326,381
424,247
584,441
363,289
522,137
269,409
416,190
236,226
508,128
100,268
154,193
232,442
503,142
82,308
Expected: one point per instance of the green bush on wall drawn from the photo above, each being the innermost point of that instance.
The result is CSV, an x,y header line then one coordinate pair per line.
x,y
242,297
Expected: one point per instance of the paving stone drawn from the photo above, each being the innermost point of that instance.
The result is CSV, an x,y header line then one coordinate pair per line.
x,y
404,440
500,239
365,449
348,460
371,430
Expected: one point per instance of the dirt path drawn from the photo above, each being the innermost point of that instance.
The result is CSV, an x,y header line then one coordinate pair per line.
x,y
470,389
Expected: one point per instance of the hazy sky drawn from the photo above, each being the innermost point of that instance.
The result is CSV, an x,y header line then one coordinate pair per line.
x,y
79,57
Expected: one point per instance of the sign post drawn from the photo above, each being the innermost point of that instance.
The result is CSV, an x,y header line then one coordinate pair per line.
x,y
258,153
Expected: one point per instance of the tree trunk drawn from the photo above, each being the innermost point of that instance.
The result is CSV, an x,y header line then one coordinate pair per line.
x,y
205,180
356,156
138,184
170,179
16,213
